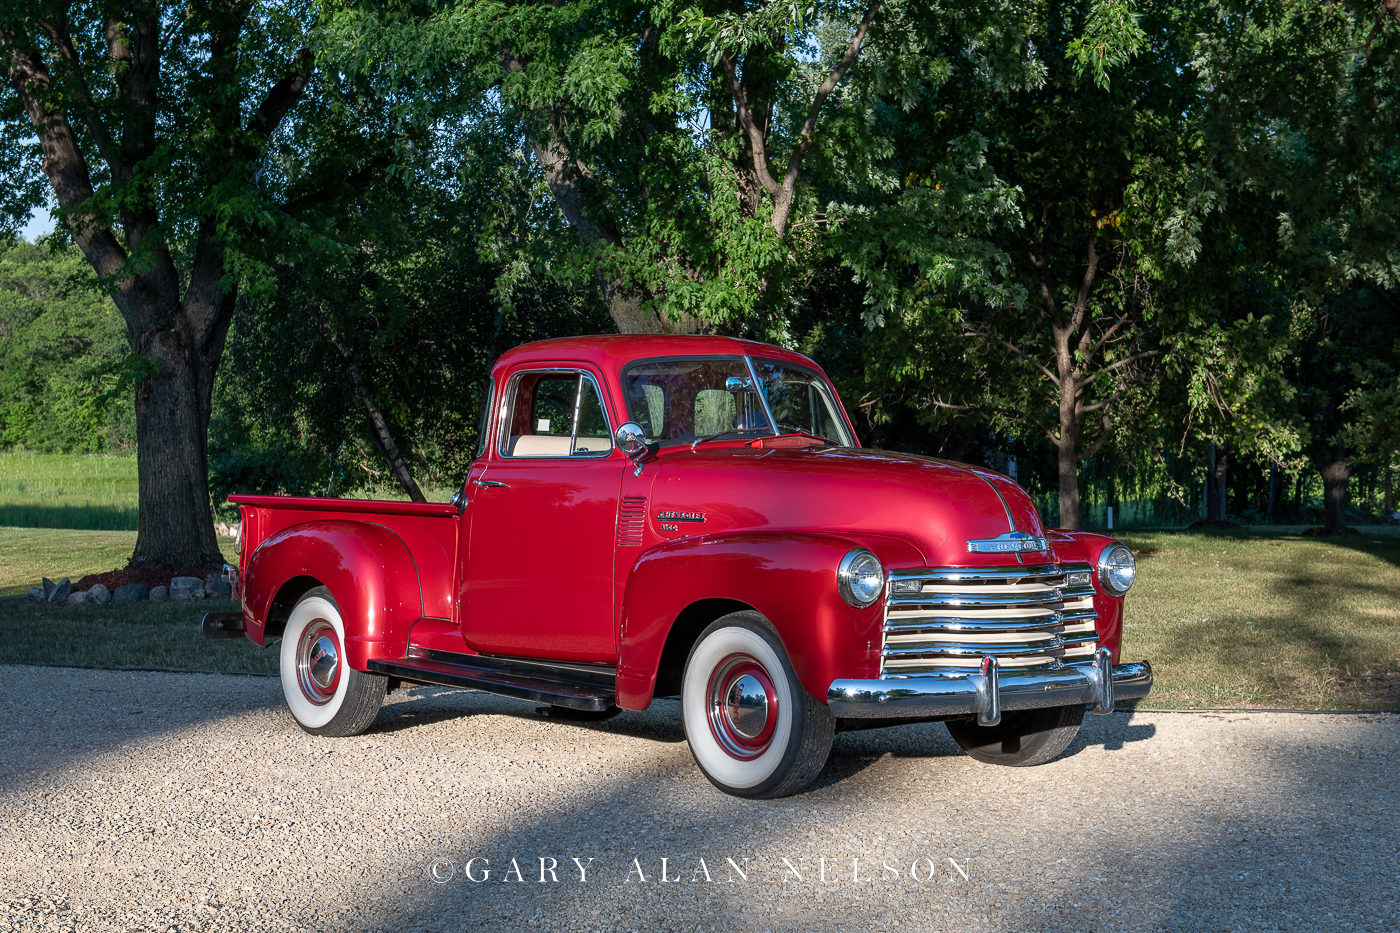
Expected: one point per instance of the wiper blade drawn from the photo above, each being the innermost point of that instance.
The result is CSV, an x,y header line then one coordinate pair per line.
x,y
710,437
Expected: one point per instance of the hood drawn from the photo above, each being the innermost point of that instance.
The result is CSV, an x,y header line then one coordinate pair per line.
x,y
934,505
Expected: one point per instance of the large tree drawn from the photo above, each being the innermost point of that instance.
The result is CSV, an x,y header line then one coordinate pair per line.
x,y
1306,108
172,149
686,143
1071,193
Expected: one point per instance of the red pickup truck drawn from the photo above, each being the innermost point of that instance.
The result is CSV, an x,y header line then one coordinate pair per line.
x,y
694,516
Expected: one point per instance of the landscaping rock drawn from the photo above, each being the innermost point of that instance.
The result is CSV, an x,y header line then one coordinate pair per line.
x,y
186,588
76,598
132,593
160,594
216,587
60,593
36,593
48,587
99,595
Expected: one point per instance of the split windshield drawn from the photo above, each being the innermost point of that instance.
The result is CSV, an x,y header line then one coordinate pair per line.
x,y
682,400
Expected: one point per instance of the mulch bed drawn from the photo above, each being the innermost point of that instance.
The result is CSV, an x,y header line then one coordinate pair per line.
x,y
147,575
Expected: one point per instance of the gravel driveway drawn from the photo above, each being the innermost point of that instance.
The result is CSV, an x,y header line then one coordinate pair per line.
x,y
190,802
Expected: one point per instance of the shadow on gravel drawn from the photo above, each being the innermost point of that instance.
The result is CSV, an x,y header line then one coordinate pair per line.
x,y
1252,849
82,714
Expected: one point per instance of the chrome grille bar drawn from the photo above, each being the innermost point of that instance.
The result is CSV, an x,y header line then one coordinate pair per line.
x,y
947,619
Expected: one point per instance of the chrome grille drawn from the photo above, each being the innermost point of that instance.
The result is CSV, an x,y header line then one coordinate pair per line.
x,y
949,618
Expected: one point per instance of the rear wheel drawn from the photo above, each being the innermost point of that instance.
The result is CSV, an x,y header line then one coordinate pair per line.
x,y
753,728
325,695
1023,738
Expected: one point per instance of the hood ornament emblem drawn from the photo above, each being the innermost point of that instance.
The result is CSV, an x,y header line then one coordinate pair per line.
x,y
1012,542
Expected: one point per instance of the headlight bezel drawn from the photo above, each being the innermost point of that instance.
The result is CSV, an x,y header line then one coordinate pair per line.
x,y
851,579
1107,567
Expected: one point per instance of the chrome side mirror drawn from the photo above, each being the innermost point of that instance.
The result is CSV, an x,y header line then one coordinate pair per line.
x,y
738,383
631,439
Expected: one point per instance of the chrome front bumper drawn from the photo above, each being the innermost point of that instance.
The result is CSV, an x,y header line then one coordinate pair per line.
x,y
1098,684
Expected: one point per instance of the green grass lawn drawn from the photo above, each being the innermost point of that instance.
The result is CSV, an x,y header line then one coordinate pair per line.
x,y
1255,619
147,634
27,555
85,492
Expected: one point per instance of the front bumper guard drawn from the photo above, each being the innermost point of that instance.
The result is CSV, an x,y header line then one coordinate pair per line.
x,y
991,691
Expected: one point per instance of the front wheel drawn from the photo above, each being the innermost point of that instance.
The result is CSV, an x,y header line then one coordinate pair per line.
x,y
1021,739
325,695
753,728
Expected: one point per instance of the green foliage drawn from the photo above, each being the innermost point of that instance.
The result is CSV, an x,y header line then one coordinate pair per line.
x,y
62,346
1110,40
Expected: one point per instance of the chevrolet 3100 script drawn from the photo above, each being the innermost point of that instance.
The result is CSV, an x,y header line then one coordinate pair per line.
x,y
695,517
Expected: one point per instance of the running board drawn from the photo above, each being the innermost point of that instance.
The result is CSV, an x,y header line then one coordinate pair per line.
x,y
576,686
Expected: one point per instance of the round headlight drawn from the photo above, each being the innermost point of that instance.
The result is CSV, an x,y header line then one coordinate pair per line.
x,y
860,578
1117,569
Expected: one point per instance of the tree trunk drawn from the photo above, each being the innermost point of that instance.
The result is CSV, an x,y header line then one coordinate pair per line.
x,y
175,525
625,308
1216,486
1335,475
1389,493
1069,481
1275,491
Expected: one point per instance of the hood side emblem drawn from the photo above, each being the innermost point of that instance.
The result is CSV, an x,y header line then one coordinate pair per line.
x,y
680,516
1012,542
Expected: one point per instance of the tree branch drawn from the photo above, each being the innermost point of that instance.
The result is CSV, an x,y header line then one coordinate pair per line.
x,y
751,129
376,417
783,208
1014,348
283,95
57,31
64,164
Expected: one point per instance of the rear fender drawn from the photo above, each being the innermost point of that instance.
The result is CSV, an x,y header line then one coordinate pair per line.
x,y
368,570
789,578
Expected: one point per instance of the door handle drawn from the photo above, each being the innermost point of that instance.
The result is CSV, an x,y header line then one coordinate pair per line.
x,y
487,482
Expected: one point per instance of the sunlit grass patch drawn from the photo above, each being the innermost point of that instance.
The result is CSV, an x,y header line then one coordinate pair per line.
x,y
81,491
1239,619
27,555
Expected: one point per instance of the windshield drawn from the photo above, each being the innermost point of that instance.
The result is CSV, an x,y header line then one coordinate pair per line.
x,y
685,400
681,400
800,400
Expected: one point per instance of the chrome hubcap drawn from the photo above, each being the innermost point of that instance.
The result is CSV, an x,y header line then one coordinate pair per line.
x,y
318,662
746,706
743,707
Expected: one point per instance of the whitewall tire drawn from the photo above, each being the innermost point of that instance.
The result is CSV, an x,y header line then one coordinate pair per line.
x,y
753,728
324,694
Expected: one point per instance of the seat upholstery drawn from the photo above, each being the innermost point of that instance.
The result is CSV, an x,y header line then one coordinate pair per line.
x,y
539,445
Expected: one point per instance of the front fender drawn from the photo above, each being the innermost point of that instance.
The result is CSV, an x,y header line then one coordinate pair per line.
x,y
1085,547
788,577
365,565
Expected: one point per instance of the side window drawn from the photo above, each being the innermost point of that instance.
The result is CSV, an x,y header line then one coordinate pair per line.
x,y
554,414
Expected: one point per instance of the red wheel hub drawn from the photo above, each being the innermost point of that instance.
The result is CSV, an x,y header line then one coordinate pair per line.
x,y
319,661
743,706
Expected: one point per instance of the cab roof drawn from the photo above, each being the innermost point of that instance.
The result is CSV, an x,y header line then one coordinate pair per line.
x,y
614,351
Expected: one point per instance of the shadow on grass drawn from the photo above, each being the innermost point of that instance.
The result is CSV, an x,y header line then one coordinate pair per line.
x,y
162,635
74,517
